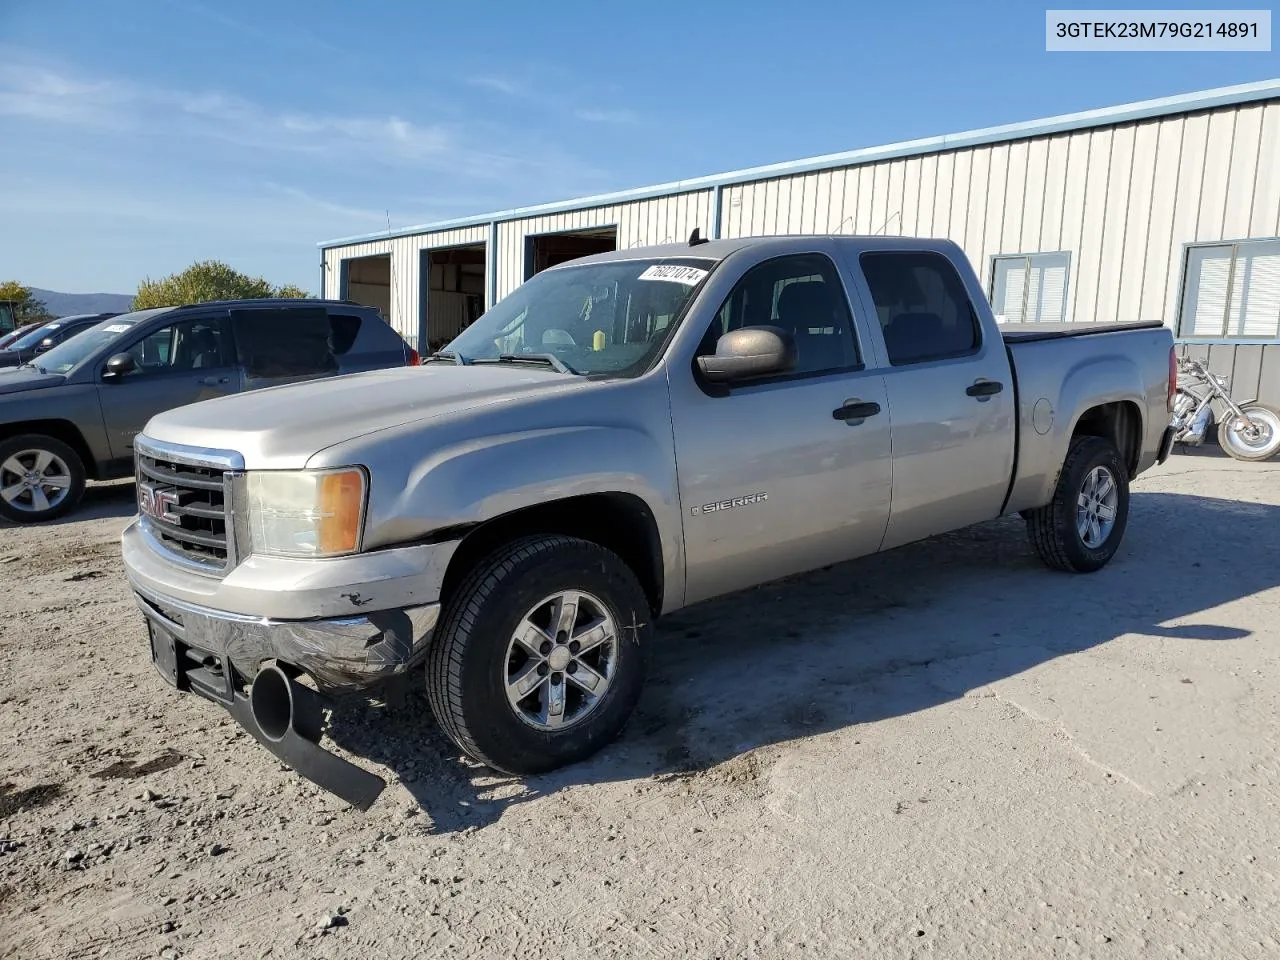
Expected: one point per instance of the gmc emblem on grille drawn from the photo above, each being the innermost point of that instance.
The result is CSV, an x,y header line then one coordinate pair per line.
x,y
158,504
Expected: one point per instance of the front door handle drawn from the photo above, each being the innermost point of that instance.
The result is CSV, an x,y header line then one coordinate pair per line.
x,y
215,381
985,388
855,410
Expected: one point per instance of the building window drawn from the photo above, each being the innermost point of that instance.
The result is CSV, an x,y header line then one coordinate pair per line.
x,y
1232,290
1030,287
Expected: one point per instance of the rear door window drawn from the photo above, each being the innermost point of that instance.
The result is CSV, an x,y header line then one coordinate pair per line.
x,y
924,311
284,342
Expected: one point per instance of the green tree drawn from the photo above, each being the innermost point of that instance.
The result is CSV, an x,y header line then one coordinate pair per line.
x,y
26,309
205,281
291,292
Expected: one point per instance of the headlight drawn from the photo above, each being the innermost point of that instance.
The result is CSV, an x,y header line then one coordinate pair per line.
x,y
306,513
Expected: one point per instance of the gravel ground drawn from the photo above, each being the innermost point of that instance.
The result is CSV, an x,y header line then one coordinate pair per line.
x,y
943,751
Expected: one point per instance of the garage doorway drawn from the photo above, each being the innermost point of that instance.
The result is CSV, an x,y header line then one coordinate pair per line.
x,y
453,281
367,281
549,249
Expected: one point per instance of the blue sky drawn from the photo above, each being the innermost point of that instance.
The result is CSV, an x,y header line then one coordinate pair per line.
x,y
137,136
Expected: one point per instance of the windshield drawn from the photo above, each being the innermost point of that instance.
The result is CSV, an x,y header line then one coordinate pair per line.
x,y
610,318
32,339
69,354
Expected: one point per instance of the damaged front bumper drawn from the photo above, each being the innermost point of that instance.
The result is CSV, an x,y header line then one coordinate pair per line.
x,y
259,638
252,666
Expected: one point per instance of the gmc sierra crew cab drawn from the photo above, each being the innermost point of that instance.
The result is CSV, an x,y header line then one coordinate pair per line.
x,y
622,436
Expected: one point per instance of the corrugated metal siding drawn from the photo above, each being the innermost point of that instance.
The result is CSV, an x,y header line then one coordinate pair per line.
x,y
1253,368
660,220
405,263
1123,200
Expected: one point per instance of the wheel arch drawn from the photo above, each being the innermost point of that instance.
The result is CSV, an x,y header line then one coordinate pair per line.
x,y
63,430
620,522
1119,421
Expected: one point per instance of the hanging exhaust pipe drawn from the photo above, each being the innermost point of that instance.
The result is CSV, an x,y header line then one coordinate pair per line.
x,y
288,719
281,706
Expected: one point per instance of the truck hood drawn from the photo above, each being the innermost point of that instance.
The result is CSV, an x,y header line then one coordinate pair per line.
x,y
283,427
14,380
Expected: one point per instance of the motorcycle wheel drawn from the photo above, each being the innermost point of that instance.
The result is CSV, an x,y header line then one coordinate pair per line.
x,y
1259,442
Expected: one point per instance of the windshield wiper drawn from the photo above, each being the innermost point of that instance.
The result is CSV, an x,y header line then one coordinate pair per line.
x,y
550,359
451,355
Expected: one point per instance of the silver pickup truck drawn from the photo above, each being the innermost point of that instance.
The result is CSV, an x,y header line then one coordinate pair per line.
x,y
622,436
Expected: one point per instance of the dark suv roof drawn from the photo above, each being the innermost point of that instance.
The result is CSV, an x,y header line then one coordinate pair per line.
x,y
276,302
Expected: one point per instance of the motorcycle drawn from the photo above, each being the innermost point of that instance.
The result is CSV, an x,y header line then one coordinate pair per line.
x,y
1246,431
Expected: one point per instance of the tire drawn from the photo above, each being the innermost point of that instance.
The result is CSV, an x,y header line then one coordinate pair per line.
x,y
1055,530
1261,444
475,655
61,485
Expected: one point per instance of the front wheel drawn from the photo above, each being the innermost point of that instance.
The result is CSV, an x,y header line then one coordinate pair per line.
x,y
1256,436
41,478
1080,530
538,661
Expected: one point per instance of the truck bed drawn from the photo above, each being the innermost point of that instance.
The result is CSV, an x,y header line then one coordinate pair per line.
x,y
1031,332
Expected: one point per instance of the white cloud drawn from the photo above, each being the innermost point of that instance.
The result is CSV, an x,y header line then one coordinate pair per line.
x,y
42,94
532,89
607,116
352,213
502,85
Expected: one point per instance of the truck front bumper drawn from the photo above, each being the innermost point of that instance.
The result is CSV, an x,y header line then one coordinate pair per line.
x,y
339,654
255,665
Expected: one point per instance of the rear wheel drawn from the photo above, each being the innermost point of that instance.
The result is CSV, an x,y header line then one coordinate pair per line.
x,y
1080,530
41,478
539,657
1253,437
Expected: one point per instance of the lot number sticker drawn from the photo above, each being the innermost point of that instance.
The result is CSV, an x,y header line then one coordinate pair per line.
x,y
674,273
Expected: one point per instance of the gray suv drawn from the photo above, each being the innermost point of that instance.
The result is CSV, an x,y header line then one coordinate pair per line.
x,y
71,414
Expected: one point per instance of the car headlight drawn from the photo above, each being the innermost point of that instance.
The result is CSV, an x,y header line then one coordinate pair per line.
x,y
306,513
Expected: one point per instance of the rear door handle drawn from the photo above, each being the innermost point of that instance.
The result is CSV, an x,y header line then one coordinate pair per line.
x,y
985,388
855,410
214,381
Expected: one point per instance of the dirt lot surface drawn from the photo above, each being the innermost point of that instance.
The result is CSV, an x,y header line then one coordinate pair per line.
x,y
944,751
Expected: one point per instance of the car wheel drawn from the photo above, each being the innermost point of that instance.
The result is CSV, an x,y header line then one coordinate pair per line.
x,y
41,478
1081,529
539,658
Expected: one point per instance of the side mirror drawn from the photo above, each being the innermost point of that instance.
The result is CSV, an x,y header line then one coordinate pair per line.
x,y
749,352
118,365
46,344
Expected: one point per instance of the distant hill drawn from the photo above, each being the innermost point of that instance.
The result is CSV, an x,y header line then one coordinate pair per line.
x,y
67,304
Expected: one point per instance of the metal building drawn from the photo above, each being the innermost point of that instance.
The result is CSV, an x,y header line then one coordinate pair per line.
x,y
1162,210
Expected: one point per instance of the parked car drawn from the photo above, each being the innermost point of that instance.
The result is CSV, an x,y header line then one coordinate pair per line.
x,y
8,317
624,435
74,412
44,337
13,335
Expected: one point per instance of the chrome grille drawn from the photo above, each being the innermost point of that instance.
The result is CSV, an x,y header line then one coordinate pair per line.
x,y
185,506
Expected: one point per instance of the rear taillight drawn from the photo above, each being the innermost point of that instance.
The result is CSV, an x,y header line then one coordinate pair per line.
x,y
1173,376
414,357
